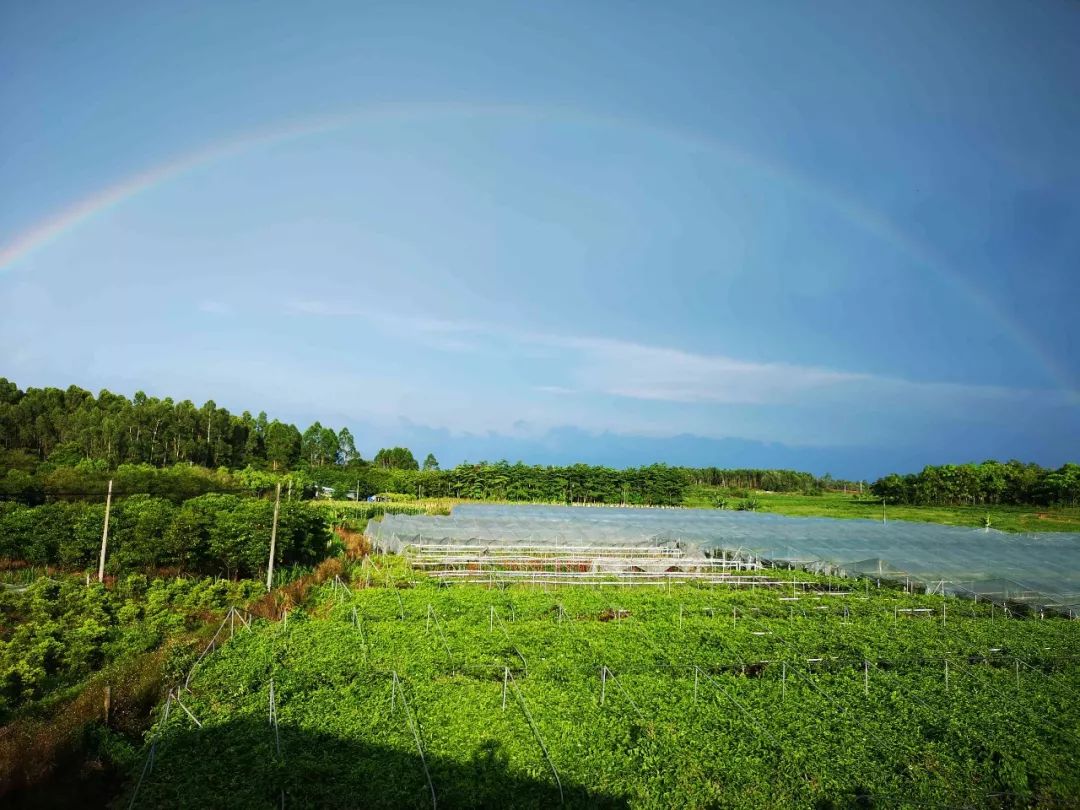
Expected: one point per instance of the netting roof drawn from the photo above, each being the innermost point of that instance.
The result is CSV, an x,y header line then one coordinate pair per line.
x,y
1041,568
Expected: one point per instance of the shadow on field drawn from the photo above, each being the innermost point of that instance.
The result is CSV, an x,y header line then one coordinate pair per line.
x,y
236,765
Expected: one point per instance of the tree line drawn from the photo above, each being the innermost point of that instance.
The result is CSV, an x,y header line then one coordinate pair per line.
x,y
66,426
66,443
215,534
991,482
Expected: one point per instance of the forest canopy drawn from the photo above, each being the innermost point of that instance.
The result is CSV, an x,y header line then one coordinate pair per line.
x,y
67,443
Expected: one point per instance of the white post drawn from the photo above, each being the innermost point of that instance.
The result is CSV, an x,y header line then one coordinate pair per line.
x,y
105,535
273,539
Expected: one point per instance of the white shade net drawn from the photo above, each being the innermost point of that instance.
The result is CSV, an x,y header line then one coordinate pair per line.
x,y
1042,570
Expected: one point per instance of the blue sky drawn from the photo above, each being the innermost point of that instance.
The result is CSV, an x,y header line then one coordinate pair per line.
x,y
843,237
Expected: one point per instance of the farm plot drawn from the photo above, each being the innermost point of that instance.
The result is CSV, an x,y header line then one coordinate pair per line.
x,y
464,696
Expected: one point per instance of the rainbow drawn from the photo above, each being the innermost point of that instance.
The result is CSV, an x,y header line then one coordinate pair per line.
x,y
872,222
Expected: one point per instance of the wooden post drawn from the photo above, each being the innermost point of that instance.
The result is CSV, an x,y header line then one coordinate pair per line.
x,y
105,535
273,540
108,703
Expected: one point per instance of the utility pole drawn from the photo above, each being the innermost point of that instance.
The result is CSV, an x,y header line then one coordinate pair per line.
x,y
105,535
273,539
883,510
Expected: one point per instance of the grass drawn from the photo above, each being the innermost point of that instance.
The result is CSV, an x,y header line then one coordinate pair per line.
x,y
852,506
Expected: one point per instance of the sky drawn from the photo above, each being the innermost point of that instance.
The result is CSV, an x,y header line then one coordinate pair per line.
x,y
840,237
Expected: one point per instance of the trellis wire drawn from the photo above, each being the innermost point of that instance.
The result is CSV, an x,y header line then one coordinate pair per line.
x,y
1044,718
746,713
510,641
207,650
605,675
148,765
395,686
438,626
187,711
536,732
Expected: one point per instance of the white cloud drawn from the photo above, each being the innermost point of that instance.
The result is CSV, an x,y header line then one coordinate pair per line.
x,y
818,401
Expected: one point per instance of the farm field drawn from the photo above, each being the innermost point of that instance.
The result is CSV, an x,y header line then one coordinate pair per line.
x,y
416,695
1003,517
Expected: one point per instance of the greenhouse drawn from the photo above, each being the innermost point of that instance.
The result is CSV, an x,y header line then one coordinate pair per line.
x,y
1041,571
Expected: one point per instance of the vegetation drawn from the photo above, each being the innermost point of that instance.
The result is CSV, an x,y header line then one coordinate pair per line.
x,y
215,534
694,698
1002,517
988,483
81,666
63,444
56,632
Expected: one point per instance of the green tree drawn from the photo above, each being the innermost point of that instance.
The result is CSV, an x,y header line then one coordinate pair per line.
x,y
431,463
347,446
396,458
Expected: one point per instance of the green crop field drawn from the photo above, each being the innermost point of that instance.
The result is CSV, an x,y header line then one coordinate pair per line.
x,y
1004,517
684,697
